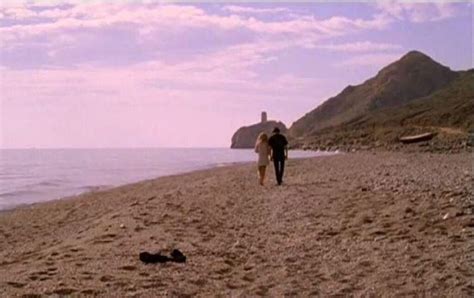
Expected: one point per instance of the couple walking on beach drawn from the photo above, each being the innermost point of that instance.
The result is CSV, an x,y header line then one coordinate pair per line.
x,y
274,149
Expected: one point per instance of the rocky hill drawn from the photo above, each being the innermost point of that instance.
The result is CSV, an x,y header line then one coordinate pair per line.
x,y
414,94
246,136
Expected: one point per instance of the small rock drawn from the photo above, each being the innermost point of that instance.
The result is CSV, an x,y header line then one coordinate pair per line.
x,y
122,226
446,216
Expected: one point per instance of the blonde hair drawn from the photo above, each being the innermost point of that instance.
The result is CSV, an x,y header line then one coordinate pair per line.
x,y
262,138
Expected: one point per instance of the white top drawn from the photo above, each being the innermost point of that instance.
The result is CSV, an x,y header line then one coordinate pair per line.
x,y
263,150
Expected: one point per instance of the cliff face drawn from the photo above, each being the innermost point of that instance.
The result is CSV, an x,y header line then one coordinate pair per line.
x,y
246,136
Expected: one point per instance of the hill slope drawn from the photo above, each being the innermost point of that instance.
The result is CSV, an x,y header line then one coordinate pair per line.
x,y
448,112
415,75
452,106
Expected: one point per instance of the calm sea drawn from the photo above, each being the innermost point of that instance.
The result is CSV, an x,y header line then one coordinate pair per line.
x,y
34,175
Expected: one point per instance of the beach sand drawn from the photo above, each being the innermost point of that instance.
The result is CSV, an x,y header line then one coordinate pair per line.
x,y
362,224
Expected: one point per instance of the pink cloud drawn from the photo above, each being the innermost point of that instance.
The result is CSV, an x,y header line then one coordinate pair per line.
x,y
360,46
418,12
253,10
106,15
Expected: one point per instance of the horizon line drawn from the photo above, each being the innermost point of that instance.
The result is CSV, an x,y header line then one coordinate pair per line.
x,y
144,147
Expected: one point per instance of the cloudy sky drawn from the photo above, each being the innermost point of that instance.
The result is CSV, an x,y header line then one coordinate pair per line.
x,y
146,74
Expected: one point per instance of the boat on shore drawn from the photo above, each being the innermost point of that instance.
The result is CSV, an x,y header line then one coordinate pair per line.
x,y
417,138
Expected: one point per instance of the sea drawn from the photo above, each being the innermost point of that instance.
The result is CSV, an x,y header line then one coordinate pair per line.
x,y
35,175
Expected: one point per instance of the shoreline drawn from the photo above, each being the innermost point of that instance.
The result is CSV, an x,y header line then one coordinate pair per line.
x,y
79,190
358,223
100,188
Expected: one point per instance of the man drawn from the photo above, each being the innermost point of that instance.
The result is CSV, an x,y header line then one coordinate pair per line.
x,y
279,153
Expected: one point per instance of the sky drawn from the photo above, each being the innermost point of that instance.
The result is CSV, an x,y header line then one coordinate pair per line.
x,y
103,74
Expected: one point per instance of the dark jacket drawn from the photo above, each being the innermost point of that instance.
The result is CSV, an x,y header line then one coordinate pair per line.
x,y
278,143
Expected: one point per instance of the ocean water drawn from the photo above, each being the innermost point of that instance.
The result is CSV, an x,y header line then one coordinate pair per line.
x,y
35,175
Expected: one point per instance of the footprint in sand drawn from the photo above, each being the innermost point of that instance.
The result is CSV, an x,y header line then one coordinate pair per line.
x,y
52,271
128,268
87,277
365,263
14,284
199,281
49,262
134,204
106,278
378,233
54,253
120,284
153,284
31,296
147,223
262,291
138,228
222,269
233,284
249,277
90,292
64,291
105,238
151,199
76,249
43,272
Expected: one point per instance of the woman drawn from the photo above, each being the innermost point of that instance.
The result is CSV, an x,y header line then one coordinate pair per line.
x,y
263,150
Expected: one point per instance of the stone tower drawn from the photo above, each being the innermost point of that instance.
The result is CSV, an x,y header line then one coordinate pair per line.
x,y
264,117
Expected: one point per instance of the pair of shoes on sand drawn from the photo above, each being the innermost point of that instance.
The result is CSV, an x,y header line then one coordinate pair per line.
x,y
149,258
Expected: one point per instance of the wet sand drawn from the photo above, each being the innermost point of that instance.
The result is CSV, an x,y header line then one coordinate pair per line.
x,y
362,224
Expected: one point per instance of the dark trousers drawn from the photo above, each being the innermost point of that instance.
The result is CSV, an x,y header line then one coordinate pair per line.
x,y
279,169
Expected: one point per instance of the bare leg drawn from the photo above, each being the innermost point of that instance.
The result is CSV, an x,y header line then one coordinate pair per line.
x,y
261,174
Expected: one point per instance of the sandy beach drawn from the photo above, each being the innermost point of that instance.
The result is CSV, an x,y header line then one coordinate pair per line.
x,y
359,224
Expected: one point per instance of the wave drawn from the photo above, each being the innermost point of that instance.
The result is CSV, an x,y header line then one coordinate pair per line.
x,y
224,164
15,193
55,182
88,188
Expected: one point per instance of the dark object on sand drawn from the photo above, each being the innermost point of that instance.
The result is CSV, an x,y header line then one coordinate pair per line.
x,y
149,258
417,138
178,256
